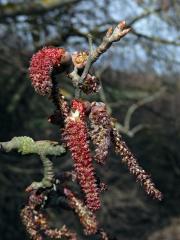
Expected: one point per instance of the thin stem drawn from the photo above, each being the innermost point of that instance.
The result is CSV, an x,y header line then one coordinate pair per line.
x,y
77,93
48,171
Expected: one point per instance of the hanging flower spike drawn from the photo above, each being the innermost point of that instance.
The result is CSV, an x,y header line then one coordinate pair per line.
x,y
30,215
133,165
41,66
36,222
100,131
86,217
76,138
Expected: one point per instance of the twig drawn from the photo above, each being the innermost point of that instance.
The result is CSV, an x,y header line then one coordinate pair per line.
x,y
125,128
48,178
26,145
33,8
145,14
111,36
156,39
140,103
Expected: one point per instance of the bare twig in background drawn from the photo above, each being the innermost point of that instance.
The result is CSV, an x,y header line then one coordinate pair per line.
x,y
156,39
32,8
145,14
137,105
126,127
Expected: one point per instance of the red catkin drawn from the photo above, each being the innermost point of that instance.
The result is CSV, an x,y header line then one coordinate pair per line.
x,y
41,66
76,137
86,217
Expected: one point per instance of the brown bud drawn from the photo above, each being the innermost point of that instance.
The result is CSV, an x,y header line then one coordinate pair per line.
x,y
80,59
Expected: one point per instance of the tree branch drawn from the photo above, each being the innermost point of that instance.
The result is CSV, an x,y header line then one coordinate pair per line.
x,y
144,15
155,39
26,145
12,10
111,36
140,103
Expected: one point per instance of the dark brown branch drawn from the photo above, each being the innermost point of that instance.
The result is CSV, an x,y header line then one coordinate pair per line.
x,y
13,10
144,15
155,39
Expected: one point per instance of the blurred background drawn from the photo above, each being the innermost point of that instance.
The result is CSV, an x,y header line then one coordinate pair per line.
x,y
140,85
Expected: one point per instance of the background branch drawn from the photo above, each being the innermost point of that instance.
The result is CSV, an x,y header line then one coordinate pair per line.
x,y
12,10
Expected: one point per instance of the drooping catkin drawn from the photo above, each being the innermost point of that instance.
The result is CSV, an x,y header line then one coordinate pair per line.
x,y
36,222
76,138
86,217
41,66
100,131
134,168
